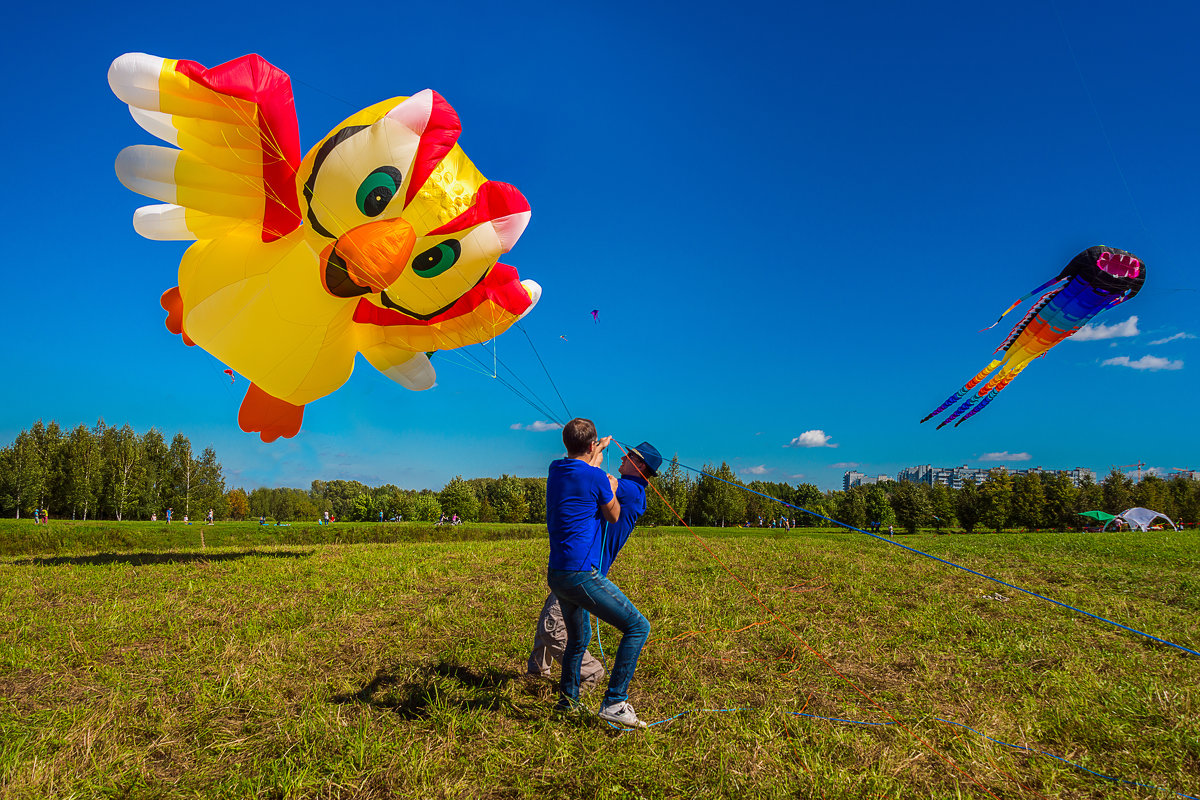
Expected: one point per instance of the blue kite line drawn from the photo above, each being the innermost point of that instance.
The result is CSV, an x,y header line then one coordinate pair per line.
x,y
1065,761
949,563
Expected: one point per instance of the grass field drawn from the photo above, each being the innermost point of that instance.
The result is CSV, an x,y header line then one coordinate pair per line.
x,y
277,664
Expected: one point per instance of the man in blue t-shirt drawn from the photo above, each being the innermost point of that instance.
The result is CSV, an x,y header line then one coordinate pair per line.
x,y
550,636
578,496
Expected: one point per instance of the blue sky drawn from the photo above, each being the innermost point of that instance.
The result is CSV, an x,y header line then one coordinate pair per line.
x,y
793,220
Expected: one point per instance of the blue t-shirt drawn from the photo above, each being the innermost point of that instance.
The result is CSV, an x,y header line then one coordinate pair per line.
x,y
575,491
631,494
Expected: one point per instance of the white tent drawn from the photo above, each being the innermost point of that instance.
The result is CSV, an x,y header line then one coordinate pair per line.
x,y
1140,519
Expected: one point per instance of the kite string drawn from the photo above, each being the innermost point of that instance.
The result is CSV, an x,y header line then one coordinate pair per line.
x,y
534,401
521,328
543,407
944,561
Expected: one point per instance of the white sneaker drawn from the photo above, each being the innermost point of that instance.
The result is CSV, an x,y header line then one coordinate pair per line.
x,y
621,713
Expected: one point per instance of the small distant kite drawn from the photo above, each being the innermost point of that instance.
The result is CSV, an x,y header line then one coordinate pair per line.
x,y
229,372
564,338
595,315
1096,280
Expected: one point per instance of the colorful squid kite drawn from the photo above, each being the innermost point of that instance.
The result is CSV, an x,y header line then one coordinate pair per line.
x,y
1097,279
382,240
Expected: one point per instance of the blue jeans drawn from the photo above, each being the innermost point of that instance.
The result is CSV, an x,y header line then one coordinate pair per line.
x,y
581,593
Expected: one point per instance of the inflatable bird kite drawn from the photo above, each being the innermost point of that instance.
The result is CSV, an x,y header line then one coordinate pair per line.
x,y
1096,280
382,240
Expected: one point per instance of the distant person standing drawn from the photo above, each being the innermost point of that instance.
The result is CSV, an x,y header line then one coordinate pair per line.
x,y
209,520
168,516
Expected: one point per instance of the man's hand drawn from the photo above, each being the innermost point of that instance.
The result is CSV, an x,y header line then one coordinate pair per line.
x,y
613,483
596,457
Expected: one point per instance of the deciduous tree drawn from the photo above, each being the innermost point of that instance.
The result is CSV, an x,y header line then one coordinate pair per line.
x,y
851,507
124,467
941,504
878,508
967,506
1061,498
425,507
1028,502
911,506
459,497
717,500
510,499
183,468
155,491
995,499
24,474
1117,488
238,503
82,470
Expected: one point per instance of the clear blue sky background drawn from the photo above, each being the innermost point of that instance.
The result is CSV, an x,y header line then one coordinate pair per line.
x,y
791,218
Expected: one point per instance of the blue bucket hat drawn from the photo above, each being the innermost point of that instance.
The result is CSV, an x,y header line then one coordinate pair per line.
x,y
650,455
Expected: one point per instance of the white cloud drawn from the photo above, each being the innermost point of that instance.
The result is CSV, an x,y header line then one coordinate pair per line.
x,y
537,426
811,439
1119,330
1153,363
1005,456
845,464
1180,335
797,475
761,469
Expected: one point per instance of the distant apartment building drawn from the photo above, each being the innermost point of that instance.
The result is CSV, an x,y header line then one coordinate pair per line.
x,y
851,479
956,477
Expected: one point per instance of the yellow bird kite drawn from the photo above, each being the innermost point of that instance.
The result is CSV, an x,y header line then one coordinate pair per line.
x,y
383,240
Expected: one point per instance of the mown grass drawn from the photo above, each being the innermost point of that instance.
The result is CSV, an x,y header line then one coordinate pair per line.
x,y
290,669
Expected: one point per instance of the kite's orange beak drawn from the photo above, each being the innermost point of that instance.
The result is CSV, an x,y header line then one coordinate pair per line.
x,y
372,255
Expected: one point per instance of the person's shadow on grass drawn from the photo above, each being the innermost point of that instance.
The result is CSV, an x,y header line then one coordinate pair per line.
x,y
444,685
148,559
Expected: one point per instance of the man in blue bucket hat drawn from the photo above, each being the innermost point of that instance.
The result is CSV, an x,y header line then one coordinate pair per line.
x,y
582,588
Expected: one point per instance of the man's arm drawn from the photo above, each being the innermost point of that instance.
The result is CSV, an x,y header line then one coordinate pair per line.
x,y
611,511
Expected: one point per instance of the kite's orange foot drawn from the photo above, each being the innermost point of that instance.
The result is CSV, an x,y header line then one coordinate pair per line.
x,y
172,303
269,416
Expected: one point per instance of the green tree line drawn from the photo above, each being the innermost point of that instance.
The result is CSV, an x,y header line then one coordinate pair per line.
x,y
1027,502
106,472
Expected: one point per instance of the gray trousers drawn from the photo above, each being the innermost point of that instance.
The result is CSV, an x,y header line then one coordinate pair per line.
x,y
549,642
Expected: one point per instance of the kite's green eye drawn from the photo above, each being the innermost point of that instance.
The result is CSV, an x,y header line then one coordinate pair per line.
x,y
376,191
437,259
